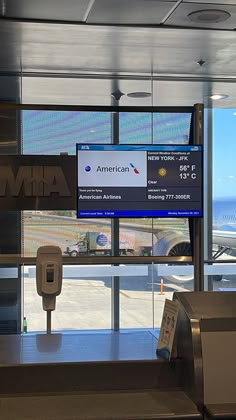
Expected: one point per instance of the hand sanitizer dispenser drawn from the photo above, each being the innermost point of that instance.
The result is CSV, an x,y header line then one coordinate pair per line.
x,y
49,275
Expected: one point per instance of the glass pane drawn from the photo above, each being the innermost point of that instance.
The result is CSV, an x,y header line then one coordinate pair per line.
x,y
162,128
61,228
221,276
135,128
171,128
85,300
159,237
136,297
10,299
84,303
143,292
55,132
170,278
138,234
224,183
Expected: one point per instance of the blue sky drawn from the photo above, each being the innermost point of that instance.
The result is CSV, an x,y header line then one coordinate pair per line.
x,y
224,153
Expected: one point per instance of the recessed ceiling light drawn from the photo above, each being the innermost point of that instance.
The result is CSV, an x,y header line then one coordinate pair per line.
x,y
138,95
234,113
209,16
218,96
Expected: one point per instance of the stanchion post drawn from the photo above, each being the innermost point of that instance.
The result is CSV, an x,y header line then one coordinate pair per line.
x,y
161,287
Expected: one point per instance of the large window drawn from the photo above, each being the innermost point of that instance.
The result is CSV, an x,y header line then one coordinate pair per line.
x,y
87,293
223,196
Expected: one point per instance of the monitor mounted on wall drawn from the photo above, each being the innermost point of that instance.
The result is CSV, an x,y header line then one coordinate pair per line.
x,y
128,180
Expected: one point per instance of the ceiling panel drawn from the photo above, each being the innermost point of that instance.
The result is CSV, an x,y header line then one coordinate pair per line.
x,y
120,50
180,17
129,12
69,10
83,91
187,93
78,63
98,50
60,91
86,91
76,49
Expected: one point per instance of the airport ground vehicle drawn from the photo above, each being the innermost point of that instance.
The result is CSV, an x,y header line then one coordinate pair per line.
x,y
97,243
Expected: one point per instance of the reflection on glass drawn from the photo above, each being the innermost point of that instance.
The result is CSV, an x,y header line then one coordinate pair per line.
x,y
171,128
77,237
135,127
63,229
157,128
53,132
138,233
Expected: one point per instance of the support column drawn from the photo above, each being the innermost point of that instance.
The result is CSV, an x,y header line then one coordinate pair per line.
x,y
115,307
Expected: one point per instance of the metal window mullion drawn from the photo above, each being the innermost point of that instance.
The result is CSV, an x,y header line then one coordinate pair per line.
x,y
115,290
208,195
198,243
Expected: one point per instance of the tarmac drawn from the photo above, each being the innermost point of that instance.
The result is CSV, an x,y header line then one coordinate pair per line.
x,y
85,304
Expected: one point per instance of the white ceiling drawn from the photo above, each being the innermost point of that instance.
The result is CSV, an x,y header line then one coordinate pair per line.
x,y
81,51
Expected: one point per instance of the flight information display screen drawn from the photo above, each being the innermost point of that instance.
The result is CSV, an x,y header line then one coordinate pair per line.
x,y
139,180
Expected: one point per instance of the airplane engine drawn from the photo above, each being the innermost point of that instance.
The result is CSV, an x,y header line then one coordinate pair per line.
x,y
173,244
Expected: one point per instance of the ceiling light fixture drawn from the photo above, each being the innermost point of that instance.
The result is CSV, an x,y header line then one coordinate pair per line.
x,y
139,95
209,16
218,96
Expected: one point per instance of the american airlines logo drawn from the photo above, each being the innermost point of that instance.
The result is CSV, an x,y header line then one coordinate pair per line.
x,y
115,168
33,181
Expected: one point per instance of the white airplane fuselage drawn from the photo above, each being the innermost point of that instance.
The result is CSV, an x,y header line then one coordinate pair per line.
x,y
224,222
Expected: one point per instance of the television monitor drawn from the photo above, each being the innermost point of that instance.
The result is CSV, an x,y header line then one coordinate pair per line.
x,y
139,180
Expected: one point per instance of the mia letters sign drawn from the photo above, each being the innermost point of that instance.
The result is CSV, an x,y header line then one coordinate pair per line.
x,y
37,182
